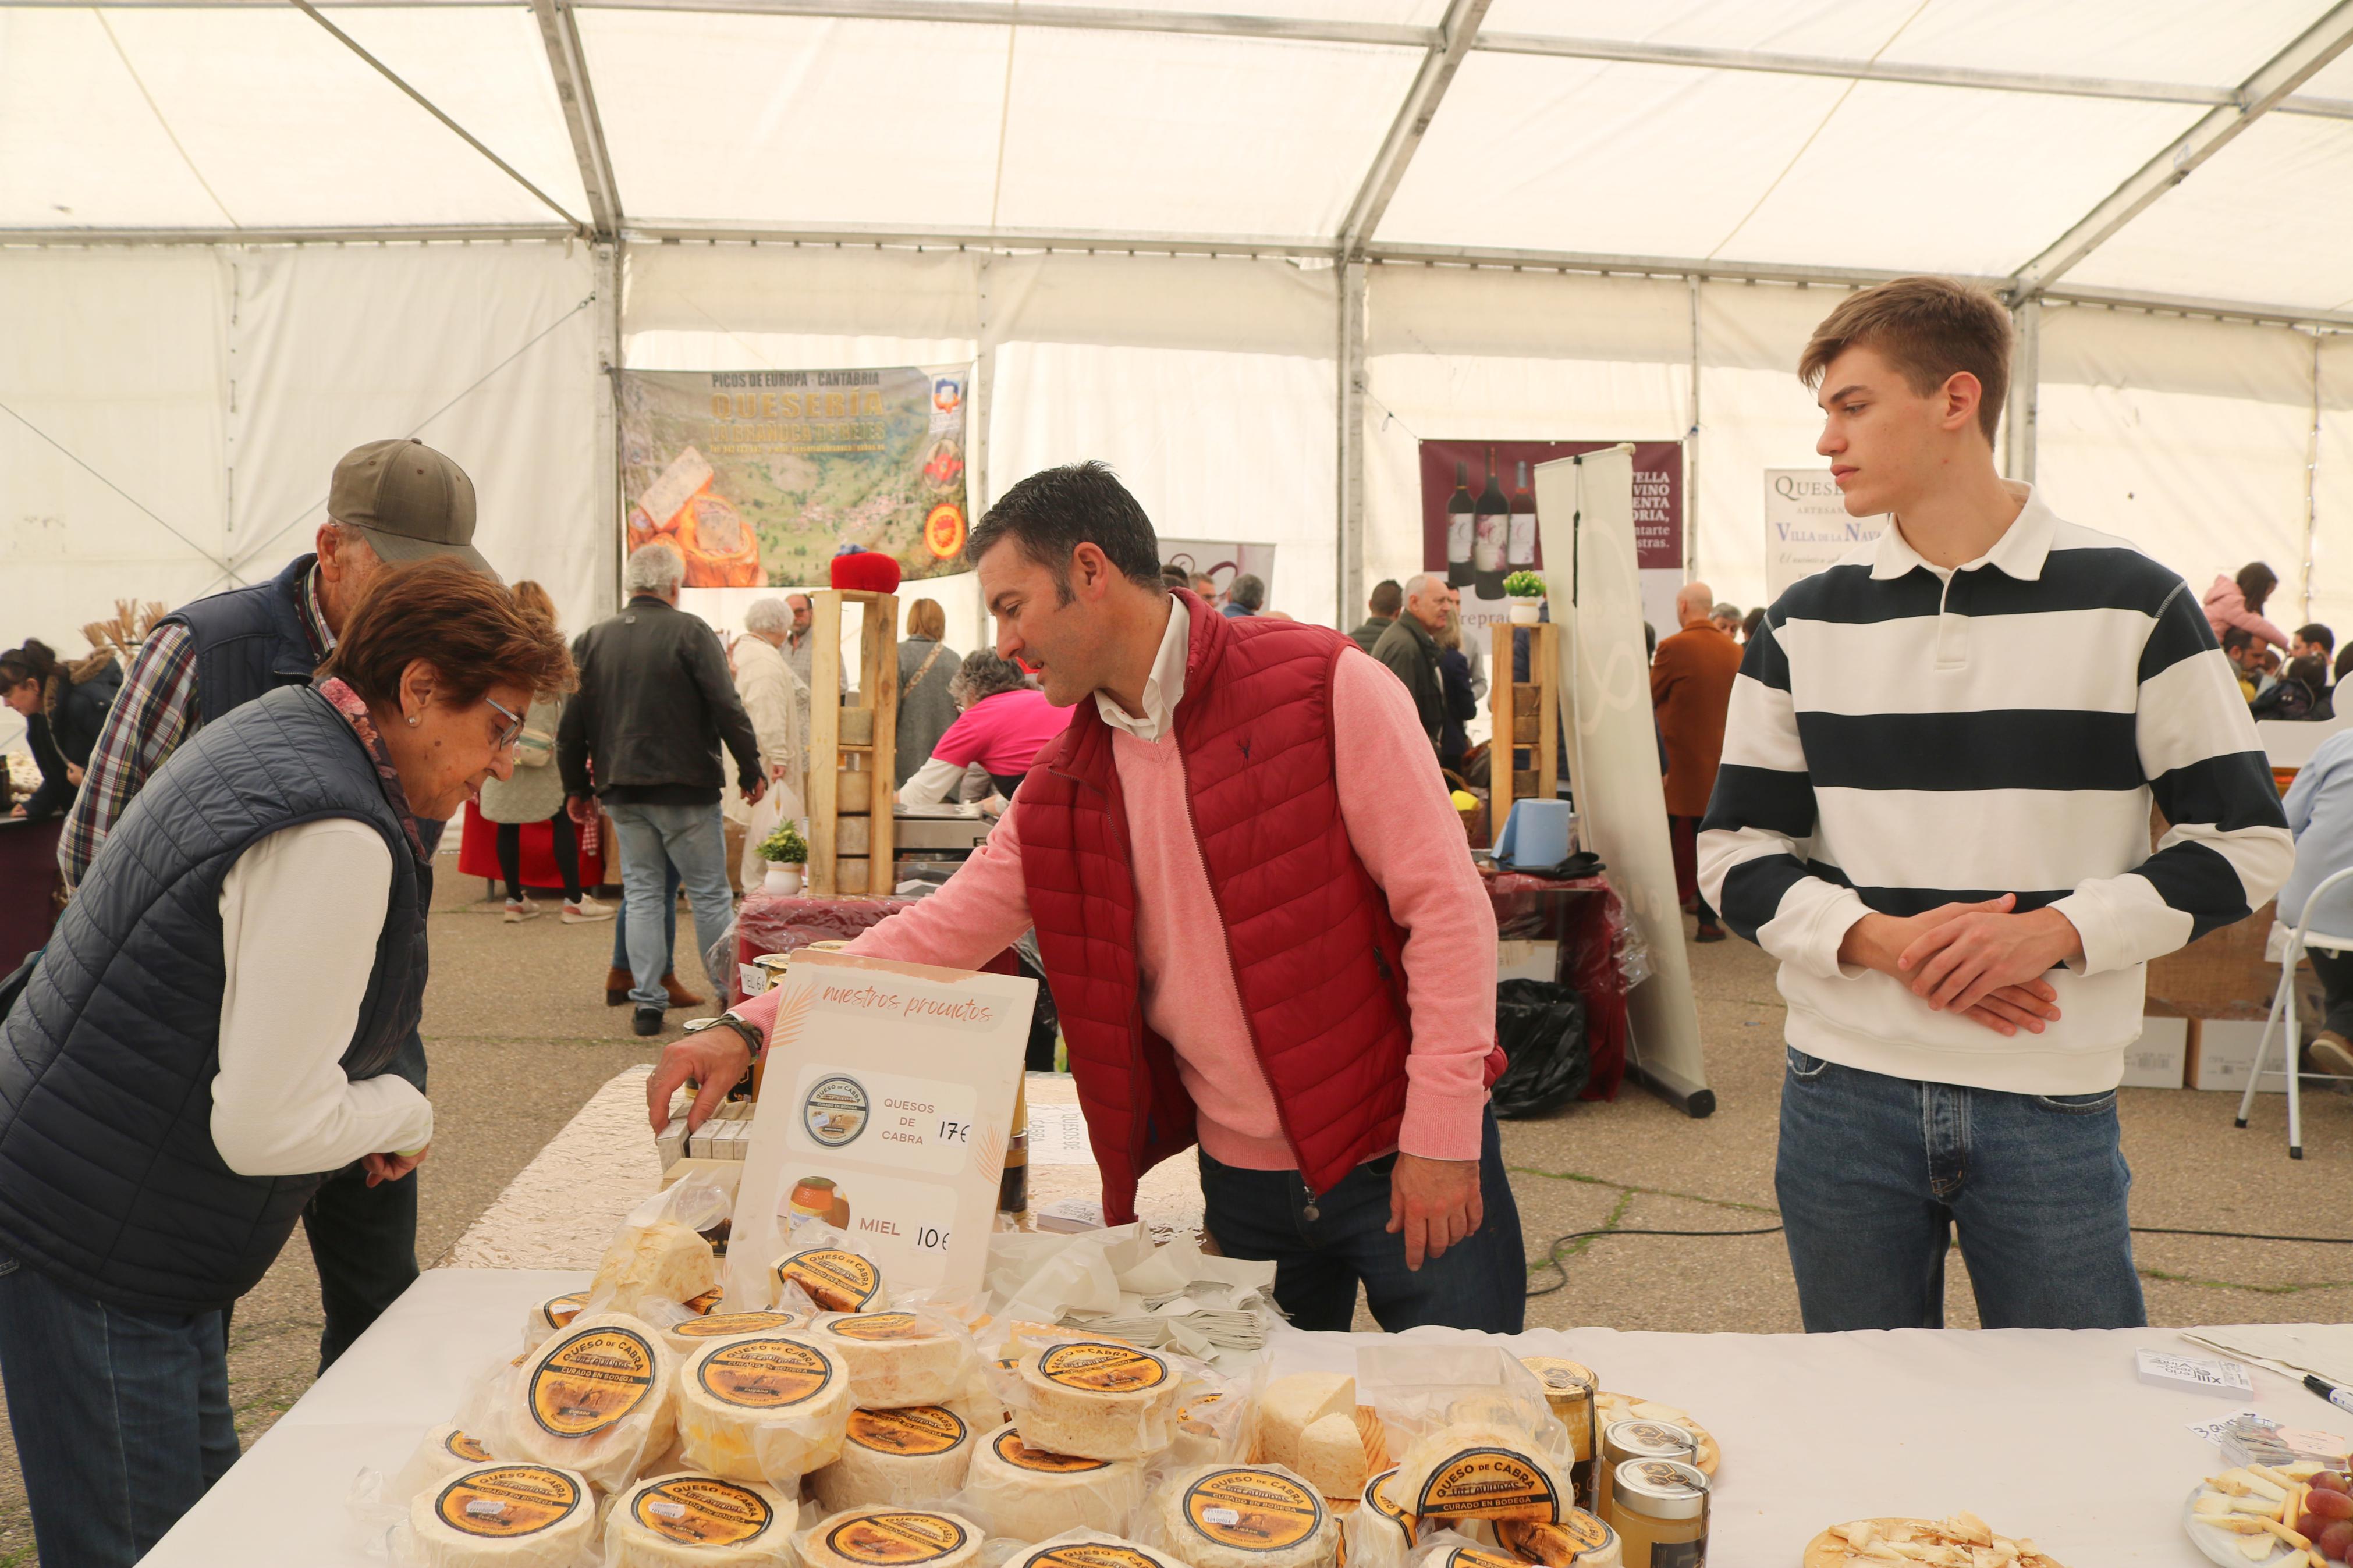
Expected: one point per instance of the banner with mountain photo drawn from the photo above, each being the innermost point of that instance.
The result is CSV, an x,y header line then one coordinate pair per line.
x,y
760,476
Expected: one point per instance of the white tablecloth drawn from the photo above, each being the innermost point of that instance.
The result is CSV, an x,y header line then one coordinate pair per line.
x,y
2046,1434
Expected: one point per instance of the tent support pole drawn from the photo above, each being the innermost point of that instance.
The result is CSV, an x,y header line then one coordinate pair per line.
x,y
1691,449
1348,557
608,408
569,66
2312,481
2025,392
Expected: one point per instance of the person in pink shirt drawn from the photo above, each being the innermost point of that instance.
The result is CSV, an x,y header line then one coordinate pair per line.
x,y
2238,602
1260,925
1005,722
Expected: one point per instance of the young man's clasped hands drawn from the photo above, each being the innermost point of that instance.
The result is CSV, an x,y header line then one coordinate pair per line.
x,y
1981,961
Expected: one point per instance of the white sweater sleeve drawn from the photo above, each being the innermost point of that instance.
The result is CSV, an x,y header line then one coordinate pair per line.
x,y
301,912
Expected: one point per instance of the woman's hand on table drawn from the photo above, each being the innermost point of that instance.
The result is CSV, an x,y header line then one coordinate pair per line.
x,y
1435,1202
382,1168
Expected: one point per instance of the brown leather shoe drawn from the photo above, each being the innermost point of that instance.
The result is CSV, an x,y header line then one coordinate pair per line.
x,y
616,986
680,996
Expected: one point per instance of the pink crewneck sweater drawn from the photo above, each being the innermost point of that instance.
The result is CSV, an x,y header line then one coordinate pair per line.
x,y
1404,830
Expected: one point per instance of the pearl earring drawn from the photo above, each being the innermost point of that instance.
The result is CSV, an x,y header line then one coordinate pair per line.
x,y
412,720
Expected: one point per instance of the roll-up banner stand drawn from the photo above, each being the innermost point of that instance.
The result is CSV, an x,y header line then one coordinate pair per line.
x,y
1806,527
1585,507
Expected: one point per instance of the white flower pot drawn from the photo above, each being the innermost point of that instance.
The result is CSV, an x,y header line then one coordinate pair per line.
x,y
784,879
1525,611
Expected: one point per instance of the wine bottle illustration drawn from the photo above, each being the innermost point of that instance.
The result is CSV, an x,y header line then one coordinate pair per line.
x,y
1491,526
1459,527
1520,554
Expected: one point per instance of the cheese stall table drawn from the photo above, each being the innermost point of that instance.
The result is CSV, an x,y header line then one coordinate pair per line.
x,y
2044,1434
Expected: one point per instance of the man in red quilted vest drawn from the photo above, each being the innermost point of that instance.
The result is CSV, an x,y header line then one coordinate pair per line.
x,y
1260,925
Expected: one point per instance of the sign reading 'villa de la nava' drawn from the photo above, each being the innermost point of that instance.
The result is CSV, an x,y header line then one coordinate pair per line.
x,y
1806,527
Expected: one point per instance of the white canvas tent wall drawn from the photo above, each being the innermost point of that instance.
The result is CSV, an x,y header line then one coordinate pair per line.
x,y
1247,258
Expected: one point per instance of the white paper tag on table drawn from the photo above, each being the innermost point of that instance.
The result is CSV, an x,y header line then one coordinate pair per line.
x,y
2211,1429
2194,1373
1058,1136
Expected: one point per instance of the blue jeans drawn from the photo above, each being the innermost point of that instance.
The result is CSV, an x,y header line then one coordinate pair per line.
x,y
695,840
1322,1246
669,918
122,1418
1876,1172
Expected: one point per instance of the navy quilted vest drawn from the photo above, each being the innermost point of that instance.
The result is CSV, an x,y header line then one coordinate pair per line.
x,y
109,1180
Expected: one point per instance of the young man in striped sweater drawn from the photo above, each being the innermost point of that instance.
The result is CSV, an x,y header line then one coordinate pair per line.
x,y
1934,809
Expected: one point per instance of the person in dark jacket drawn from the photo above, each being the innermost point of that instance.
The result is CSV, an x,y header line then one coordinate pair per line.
x,y
1460,707
64,707
655,703
211,1031
1409,648
2301,692
1387,599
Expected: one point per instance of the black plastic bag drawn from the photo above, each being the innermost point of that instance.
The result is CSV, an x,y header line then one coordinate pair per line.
x,y
1540,1024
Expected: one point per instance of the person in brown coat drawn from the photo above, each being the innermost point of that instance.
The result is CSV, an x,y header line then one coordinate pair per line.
x,y
1691,687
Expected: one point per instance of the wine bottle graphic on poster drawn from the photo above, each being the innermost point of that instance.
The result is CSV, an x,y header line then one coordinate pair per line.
x,y
1459,527
1520,554
1491,522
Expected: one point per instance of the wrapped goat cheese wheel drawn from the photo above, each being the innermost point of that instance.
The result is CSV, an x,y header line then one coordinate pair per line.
x,y
665,1260
503,1516
545,1317
691,1334
1246,1516
1091,1549
595,1399
1098,1399
691,1521
892,1458
443,1452
836,1278
895,1359
890,1538
1032,1494
1379,1533
1478,1471
767,1409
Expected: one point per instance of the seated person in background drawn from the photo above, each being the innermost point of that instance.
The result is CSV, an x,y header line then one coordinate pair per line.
x,y
2319,809
2300,693
1005,720
1248,596
2267,667
2239,647
2313,640
64,707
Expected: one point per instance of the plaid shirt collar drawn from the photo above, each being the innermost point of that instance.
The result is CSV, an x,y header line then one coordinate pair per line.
x,y
314,618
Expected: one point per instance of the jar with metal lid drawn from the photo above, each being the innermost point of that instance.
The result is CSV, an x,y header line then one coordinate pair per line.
x,y
1624,1440
1661,1513
1578,1541
1569,1388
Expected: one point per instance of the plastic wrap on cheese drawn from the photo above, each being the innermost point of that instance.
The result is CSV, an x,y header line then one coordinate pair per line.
x,y
1379,1533
896,1458
1474,1470
834,1279
1244,1516
442,1453
1031,1494
767,1409
665,1260
691,1521
1091,1548
500,1516
596,1398
898,1359
1099,1399
890,1538
546,1316
687,1335
1578,1541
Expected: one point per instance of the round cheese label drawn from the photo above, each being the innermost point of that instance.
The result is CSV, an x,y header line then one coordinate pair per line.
x,y
1478,1557
1021,1457
558,1312
700,1511
465,1448
592,1381
700,1305
1103,1368
913,1430
722,1325
1090,1554
1377,1498
1495,1483
895,1540
836,1278
509,1502
1553,1545
1254,1510
881,1326
765,1375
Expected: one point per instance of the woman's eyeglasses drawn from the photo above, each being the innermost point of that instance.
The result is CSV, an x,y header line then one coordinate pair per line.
x,y
512,732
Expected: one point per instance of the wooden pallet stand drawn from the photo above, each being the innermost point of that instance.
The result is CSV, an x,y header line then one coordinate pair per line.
x,y
1526,713
852,748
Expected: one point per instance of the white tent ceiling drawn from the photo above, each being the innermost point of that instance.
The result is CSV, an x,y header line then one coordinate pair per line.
x,y
1767,136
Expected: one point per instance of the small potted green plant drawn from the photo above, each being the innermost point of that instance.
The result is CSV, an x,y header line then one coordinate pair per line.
x,y
787,852
1527,591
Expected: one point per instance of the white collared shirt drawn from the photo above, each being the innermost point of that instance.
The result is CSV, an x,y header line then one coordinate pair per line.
x,y
1163,687
2020,553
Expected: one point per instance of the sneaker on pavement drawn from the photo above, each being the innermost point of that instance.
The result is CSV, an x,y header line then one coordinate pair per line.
x,y
583,910
648,1021
520,911
2332,1053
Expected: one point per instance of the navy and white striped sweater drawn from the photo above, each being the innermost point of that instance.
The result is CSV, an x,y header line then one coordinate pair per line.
x,y
1900,737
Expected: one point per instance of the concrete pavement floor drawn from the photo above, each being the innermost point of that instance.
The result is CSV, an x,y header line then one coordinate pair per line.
x,y
519,1037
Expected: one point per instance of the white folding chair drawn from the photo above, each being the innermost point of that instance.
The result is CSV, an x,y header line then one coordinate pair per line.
x,y
2284,1013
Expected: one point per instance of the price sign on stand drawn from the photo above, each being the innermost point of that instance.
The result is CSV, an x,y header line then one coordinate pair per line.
x,y
885,1109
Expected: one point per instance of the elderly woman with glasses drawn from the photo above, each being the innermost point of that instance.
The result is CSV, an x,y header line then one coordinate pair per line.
x,y
207,1032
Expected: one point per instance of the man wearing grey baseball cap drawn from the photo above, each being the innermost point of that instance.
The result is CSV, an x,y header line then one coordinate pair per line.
x,y
389,501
